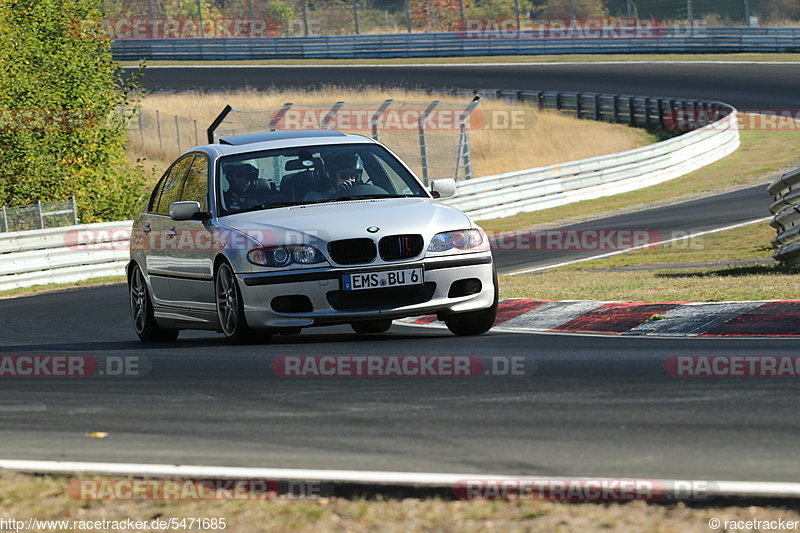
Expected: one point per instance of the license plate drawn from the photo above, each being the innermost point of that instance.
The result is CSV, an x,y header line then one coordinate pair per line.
x,y
382,280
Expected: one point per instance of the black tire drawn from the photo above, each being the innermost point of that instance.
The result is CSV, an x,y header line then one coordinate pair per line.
x,y
372,326
474,322
230,309
144,322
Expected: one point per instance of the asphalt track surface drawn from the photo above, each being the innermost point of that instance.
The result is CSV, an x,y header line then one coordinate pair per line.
x,y
584,406
513,253
745,86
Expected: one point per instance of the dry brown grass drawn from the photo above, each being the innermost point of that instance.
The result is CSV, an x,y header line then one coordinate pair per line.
x,y
25,496
546,138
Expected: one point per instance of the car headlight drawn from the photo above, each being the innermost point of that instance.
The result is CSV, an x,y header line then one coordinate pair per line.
x,y
281,256
461,240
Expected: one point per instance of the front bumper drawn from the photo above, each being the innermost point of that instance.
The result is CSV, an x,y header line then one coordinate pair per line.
x,y
258,291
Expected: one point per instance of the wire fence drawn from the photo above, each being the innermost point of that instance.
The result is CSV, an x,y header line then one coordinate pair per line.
x,y
39,216
163,136
299,18
431,137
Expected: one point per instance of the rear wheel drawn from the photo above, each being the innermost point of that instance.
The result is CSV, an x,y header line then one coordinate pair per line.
x,y
144,321
230,309
474,322
372,326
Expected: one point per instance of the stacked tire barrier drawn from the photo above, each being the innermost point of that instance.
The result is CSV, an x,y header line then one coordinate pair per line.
x,y
786,210
63,255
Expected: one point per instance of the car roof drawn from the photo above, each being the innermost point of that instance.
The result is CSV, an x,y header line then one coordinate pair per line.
x,y
270,140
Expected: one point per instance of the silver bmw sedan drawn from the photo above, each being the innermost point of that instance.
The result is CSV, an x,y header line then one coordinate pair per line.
x,y
274,232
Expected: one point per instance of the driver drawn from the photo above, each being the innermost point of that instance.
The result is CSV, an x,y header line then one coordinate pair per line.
x,y
343,171
242,179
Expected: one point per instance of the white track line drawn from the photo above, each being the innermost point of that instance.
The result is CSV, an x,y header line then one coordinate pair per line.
x,y
635,248
764,489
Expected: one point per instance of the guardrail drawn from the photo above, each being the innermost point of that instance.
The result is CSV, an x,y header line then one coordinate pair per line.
x,y
715,136
786,210
63,255
456,44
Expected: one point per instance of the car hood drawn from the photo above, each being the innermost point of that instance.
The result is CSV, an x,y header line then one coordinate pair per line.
x,y
349,219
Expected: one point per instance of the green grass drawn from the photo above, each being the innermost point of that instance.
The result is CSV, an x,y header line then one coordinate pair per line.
x,y
54,287
567,58
674,277
762,156
739,243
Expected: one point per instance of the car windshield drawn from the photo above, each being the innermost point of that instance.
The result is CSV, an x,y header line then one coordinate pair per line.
x,y
312,174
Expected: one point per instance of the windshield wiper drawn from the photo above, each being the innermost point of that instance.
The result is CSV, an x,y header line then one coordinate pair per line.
x,y
262,207
366,197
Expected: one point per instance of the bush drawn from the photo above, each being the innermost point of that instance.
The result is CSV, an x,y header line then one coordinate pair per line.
x,y
64,110
583,9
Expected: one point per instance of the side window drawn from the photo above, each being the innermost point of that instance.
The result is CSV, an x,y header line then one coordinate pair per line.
x,y
196,186
173,183
153,204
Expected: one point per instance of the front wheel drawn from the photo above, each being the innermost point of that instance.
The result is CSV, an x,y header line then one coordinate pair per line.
x,y
372,326
144,321
230,308
474,322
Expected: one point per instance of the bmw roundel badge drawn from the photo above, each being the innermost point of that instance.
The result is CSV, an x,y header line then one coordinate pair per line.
x,y
373,229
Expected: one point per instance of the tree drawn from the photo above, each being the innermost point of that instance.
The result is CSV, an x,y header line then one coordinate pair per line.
x,y
781,10
436,15
64,110
559,9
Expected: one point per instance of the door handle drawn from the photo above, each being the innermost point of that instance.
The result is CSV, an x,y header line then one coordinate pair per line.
x,y
146,228
172,233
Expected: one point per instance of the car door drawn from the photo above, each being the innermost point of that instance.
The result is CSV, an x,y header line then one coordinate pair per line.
x,y
191,263
157,227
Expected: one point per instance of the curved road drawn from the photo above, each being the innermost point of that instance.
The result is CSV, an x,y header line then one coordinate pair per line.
x,y
746,86
585,406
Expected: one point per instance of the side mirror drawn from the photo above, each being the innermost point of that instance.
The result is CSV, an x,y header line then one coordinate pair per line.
x,y
443,188
187,211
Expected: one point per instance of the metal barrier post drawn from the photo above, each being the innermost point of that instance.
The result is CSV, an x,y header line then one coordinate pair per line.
x,y
41,216
141,129
355,16
373,121
423,149
158,125
463,140
200,19
598,110
615,106
304,8
578,105
196,137
5,219
632,111
178,132
647,112
331,115
217,121
279,114
74,211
